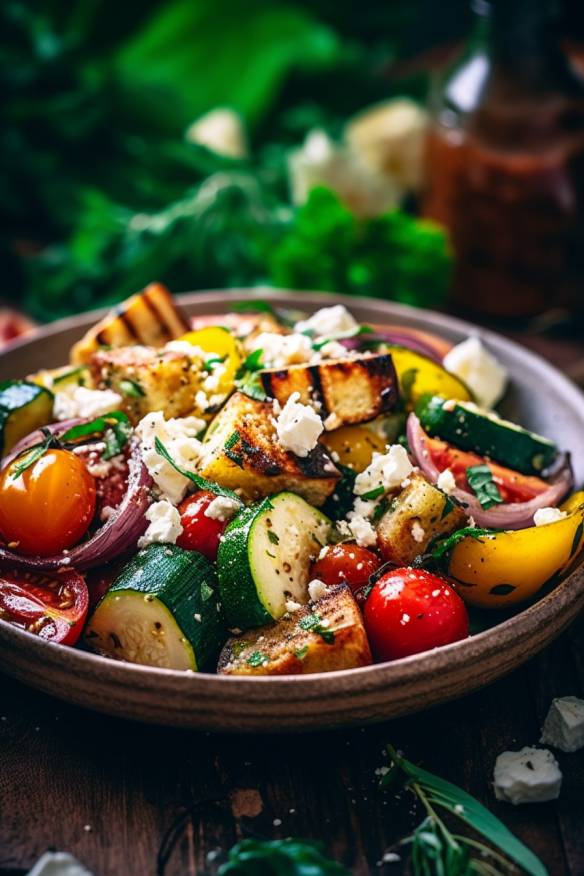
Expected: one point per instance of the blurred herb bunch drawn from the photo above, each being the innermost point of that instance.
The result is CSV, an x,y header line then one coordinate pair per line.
x,y
118,165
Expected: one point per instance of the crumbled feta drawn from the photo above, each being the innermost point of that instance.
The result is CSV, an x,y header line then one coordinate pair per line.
x,y
361,529
531,775
544,516
328,321
446,482
222,508
333,421
186,349
165,526
472,362
292,606
179,438
564,725
78,401
298,427
386,470
332,350
282,350
316,589
418,532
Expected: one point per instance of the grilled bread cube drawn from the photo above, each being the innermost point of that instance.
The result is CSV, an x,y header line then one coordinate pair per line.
x,y
148,380
419,514
150,318
349,391
243,453
321,637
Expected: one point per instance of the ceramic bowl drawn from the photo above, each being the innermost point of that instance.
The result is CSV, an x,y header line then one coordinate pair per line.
x,y
540,397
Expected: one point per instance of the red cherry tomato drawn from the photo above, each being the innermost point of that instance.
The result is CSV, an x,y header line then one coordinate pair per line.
x,y
53,607
200,533
346,562
49,506
513,486
411,610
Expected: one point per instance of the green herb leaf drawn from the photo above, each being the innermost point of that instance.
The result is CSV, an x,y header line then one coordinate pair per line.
x,y
67,375
232,440
480,480
301,653
449,506
252,363
115,427
29,457
131,389
407,382
373,494
444,546
200,483
255,306
441,793
212,362
257,658
313,623
250,384
289,857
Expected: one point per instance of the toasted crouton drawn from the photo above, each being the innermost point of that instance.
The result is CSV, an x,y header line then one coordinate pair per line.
x,y
419,514
322,637
243,453
349,391
148,380
151,318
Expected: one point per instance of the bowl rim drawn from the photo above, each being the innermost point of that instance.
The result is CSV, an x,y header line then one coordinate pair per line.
x,y
308,686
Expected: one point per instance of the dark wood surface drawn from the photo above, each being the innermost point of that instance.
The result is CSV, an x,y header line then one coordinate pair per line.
x,y
109,791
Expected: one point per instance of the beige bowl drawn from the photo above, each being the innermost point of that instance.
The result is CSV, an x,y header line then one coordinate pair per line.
x,y
540,397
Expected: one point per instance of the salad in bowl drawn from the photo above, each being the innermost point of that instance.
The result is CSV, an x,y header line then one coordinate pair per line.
x,y
269,492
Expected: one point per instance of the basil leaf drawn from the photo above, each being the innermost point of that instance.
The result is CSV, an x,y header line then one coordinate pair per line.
x,y
480,480
292,857
29,457
200,483
252,363
115,427
447,544
373,494
131,389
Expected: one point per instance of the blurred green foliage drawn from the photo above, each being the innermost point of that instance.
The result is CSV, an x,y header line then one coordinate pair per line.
x,y
101,193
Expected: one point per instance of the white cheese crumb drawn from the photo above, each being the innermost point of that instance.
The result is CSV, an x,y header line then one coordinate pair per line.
x,y
564,725
179,438
473,363
78,401
386,470
282,350
298,427
333,421
531,775
331,350
361,530
292,606
222,508
316,590
543,516
165,526
446,482
324,551
327,321
418,532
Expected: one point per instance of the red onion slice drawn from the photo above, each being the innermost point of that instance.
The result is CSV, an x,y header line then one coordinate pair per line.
x,y
395,338
119,533
516,515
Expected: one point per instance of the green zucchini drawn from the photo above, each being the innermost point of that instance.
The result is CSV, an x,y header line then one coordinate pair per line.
x,y
470,428
162,610
24,407
264,558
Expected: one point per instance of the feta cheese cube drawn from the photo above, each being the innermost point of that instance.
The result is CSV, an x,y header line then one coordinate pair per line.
x,y
446,482
298,427
543,516
531,775
78,401
564,725
387,470
165,526
222,508
282,350
473,363
328,321
316,589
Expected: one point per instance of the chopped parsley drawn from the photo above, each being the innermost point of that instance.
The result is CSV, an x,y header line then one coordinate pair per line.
x,y
374,494
232,440
301,653
257,658
313,623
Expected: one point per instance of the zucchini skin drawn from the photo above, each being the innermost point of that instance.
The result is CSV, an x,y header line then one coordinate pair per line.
x,y
236,584
510,445
185,582
24,407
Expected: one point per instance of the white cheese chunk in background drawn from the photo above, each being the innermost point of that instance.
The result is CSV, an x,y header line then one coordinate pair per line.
x,y
564,725
472,362
531,775
298,427
328,321
278,351
543,516
386,470
78,401
165,526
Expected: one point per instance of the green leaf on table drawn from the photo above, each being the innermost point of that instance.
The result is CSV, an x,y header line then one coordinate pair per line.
x,y
288,857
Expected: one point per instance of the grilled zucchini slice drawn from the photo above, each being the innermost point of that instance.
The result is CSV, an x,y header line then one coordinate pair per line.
x,y
352,390
24,407
151,317
324,636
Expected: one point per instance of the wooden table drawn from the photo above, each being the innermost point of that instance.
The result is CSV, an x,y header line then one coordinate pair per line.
x,y
109,791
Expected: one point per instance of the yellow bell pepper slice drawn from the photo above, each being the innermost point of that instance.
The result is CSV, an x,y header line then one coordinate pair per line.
x,y
504,568
354,445
218,341
419,376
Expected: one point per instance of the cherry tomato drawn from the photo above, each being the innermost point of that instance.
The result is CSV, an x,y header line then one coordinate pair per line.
x,y
411,610
513,486
346,562
200,533
53,607
49,506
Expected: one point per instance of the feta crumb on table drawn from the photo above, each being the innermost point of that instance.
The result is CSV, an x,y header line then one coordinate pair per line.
x,y
298,427
484,375
531,775
563,727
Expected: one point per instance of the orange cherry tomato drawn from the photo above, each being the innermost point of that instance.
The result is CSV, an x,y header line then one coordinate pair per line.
x,y
49,506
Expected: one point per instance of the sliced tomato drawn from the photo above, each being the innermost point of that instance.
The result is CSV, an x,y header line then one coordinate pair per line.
x,y
53,607
513,486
